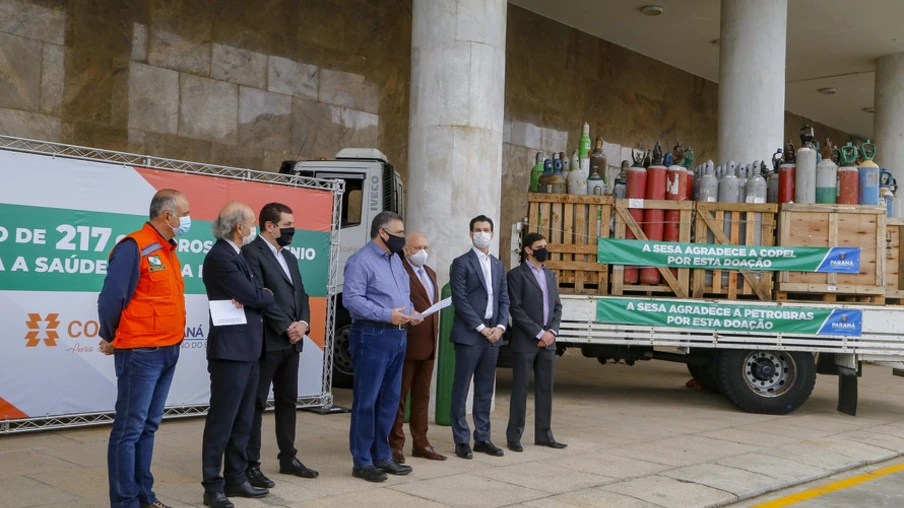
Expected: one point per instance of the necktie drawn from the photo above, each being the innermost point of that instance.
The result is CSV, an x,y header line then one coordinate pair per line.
x,y
423,277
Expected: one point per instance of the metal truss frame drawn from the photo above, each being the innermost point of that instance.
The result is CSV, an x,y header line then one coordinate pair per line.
x,y
335,187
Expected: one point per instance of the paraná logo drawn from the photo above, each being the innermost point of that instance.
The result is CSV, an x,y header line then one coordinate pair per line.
x,y
51,322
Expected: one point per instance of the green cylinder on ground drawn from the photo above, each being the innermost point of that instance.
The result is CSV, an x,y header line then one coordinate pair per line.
x,y
445,363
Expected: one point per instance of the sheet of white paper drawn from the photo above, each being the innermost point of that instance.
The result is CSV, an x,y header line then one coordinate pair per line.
x,y
436,307
225,313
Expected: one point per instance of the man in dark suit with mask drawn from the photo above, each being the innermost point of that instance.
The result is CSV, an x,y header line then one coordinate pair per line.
x,y
286,323
232,355
536,315
481,300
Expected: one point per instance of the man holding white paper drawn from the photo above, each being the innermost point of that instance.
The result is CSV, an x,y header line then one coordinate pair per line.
x,y
233,351
420,354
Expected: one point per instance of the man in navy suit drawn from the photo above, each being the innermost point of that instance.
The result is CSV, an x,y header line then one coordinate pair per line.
x,y
481,300
232,359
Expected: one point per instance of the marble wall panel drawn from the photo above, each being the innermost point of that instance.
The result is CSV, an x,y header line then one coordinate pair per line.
x,y
292,77
265,119
173,50
20,72
153,99
23,124
235,65
53,79
341,88
32,20
88,90
139,42
208,109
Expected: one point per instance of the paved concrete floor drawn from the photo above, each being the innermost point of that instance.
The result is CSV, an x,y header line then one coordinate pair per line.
x,y
637,438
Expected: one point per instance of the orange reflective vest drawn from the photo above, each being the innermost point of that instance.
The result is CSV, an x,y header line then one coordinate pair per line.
x,y
155,316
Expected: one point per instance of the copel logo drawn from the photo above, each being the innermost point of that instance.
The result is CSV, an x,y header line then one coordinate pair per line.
x,y
33,337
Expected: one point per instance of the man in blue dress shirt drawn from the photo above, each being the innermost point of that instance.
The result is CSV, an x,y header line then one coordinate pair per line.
x,y
376,294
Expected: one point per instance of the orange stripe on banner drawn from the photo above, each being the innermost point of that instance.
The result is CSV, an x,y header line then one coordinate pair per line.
x,y
9,411
318,320
313,209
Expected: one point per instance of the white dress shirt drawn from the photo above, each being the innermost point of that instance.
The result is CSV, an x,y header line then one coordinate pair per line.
x,y
486,266
282,260
238,249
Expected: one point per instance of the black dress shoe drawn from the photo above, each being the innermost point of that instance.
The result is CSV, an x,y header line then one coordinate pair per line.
x,y
245,490
552,444
393,467
295,467
370,474
257,479
515,446
488,448
463,451
217,500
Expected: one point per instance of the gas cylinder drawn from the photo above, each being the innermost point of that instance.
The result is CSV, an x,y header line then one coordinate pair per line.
x,y
755,191
869,175
786,176
728,193
576,162
598,163
654,219
848,186
543,182
596,186
805,173
557,183
536,171
566,166
886,191
584,142
709,185
577,179
691,177
621,180
772,178
826,176
635,188
676,190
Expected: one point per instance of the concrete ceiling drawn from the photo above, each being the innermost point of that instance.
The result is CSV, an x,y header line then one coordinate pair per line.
x,y
831,43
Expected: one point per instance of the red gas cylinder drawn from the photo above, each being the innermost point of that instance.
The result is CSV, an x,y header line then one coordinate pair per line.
x,y
689,188
676,190
848,176
657,175
635,188
786,176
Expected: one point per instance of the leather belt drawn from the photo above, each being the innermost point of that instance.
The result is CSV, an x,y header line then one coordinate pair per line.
x,y
380,324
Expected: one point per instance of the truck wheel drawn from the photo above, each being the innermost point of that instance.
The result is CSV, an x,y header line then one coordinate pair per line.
x,y
705,375
343,369
766,382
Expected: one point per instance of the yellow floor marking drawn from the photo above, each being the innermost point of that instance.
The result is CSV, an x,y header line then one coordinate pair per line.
x,y
832,487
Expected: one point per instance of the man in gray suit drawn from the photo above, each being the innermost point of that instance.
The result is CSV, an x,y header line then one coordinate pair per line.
x,y
481,301
536,316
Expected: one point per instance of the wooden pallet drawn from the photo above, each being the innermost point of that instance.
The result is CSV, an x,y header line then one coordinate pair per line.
x,y
818,225
572,224
675,286
814,296
894,282
748,224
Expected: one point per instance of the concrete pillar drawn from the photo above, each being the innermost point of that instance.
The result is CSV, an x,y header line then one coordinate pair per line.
x,y
455,126
455,122
752,79
888,121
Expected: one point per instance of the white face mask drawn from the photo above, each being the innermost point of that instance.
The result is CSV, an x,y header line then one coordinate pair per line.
x,y
419,258
482,239
250,237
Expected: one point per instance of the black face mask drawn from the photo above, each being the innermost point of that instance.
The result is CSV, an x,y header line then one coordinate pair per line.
x,y
395,244
541,255
285,236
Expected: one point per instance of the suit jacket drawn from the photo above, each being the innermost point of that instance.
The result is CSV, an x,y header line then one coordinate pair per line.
x,y
470,295
527,308
422,338
227,276
291,300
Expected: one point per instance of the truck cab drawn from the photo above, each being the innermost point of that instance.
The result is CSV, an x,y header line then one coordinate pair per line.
x,y
371,186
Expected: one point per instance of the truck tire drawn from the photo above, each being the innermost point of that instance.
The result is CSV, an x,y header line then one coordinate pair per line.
x,y
705,375
766,382
343,369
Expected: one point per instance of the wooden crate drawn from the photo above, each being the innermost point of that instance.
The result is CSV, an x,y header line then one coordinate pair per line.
x,y
894,282
748,224
675,286
571,225
818,225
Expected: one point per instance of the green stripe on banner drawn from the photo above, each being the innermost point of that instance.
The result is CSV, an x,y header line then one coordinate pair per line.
x,y
616,251
728,317
49,249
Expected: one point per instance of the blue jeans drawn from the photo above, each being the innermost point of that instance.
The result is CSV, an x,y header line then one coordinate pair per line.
x,y
378,355
144,376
